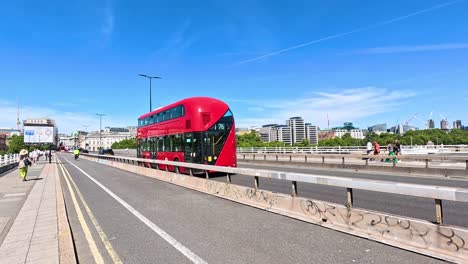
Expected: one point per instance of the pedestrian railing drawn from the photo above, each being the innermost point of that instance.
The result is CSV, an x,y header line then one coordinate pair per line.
x,y
353,149
424,161
8,159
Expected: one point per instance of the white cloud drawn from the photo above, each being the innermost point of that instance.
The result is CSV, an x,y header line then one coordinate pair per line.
x,y
66,121
178,41
420,48
357,30
108,21
346,105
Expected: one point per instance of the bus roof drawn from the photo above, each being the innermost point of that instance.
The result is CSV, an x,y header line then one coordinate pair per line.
x,y
191,101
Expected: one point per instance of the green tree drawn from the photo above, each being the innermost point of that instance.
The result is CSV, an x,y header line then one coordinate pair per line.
x,y
126,143
251,139
304,143
16,143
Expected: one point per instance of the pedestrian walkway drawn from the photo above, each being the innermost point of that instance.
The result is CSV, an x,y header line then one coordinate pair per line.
x,y
13,192
33,237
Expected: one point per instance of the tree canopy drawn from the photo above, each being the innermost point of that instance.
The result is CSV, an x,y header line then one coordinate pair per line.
x,y
419,137
16,143
130,143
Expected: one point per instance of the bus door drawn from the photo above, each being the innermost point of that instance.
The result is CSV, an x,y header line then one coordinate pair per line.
x,y
208,149
192,151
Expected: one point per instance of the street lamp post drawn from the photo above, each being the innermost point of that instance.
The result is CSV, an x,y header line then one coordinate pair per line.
x,y
150,78
100,124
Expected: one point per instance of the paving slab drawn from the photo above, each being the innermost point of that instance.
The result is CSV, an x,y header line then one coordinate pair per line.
x,y
33,236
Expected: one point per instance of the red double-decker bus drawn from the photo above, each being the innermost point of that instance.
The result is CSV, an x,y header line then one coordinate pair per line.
x,y
197,130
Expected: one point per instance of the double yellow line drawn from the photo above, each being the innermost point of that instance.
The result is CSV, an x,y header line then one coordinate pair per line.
x,y
87,232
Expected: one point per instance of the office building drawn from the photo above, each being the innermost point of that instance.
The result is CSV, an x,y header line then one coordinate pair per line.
x,y
444,124
311,133
297,129
284,134
268,133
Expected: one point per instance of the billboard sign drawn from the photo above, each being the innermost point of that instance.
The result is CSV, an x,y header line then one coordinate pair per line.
x,y
39,134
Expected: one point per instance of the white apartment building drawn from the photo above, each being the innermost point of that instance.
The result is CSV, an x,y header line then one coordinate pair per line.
x,y
67,141
297,129
355,133
284,134
91,141
311,133
268,133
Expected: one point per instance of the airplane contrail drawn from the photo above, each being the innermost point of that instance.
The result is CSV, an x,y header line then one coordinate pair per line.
x,y
386,22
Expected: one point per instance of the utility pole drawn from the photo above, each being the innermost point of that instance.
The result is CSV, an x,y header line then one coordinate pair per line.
x,y
150,78
100,125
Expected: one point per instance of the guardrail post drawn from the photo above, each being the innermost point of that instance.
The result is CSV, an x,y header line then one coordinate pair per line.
x,y
290,158
323,159
294,189
244,156
349,192
257,183
466,164
264,157
277,159
367,162
207,175
253,156
439,211
190,172
305,158
342,161
228,178
427,163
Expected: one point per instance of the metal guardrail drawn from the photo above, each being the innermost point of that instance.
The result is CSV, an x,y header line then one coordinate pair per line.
x,y
343,157
353,149
438,193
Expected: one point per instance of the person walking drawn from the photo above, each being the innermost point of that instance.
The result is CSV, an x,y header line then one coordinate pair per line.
x,y
397,147
34,155
369,147
391,152
376,149
23,164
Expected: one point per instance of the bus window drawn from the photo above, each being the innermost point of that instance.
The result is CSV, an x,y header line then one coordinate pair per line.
x,y
177,143
160,144
153,144
167,143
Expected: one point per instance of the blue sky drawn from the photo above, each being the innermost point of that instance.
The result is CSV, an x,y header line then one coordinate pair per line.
x,y
362,61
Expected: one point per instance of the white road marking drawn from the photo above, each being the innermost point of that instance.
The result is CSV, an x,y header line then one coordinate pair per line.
x,y
98,259
14,194
176,244
14,199
110,250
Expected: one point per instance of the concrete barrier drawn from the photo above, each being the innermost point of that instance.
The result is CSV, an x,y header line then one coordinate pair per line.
x,y
438,240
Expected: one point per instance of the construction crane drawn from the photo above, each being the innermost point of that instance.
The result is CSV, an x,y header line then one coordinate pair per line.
x,y
409,120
